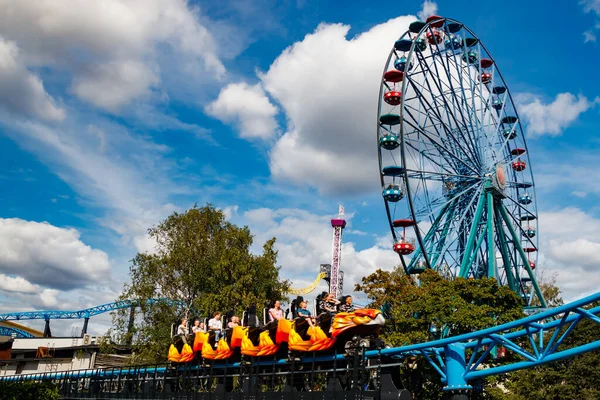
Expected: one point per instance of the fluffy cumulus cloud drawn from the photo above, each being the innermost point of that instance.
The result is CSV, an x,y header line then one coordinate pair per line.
x,y
34,255
21,92
304,241
427,9
248,107
329,140
552,118
570,249
114,50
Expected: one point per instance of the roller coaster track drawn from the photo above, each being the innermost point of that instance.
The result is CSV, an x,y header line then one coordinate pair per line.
x,y
79,314
534,340
15,332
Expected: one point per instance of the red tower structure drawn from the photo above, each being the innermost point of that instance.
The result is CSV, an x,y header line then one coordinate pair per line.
x,y
336,283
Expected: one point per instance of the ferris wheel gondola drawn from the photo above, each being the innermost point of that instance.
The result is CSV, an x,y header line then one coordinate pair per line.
x,y
453,159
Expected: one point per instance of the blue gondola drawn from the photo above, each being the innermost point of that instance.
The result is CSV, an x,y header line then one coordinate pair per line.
x,y
400,64
393,193
525,199
389,141
470,57
453,43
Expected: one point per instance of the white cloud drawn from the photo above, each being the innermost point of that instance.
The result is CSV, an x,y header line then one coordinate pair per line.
x,y
230,211
327,85
145,244
247,106
591,6
304,241
114,50
589,36
570,173
552,118
112,85
42,254
17,284
428,8
570,248
133,190
22,92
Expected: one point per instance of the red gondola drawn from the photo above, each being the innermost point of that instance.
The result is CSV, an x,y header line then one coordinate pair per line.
x,y
393,75
518,165
392,97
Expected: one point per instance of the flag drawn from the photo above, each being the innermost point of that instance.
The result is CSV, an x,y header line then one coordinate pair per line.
x,y
341,210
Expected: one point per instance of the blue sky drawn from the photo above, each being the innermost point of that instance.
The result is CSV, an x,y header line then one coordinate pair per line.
x,y
114,116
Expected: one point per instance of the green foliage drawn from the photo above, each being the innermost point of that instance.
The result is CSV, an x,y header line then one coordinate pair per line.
x,y
203,261
453,307
469,305
458,306
570,379
28,390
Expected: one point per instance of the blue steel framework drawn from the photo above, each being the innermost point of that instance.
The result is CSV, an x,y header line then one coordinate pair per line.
x,y
535,340
85,314
450,139
14,332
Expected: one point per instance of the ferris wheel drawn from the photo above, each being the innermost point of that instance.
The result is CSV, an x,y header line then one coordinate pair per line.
x,y
456,176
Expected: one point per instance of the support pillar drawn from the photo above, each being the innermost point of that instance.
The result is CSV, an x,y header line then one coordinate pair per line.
x,y
47,332
465,264
491,267
85,326
456,385
524,258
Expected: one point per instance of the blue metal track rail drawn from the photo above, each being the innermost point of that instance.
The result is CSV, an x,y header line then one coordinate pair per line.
x,y
534,340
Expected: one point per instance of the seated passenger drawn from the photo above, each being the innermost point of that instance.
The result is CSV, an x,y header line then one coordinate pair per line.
x,y
304,312
233,322
347,306
198,326
183,329
329,304
276,313
215,325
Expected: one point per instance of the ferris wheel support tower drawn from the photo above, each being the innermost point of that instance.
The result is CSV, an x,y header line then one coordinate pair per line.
x,y
337,276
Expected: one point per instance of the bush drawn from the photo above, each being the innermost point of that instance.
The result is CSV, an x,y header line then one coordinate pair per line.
x,y
28,390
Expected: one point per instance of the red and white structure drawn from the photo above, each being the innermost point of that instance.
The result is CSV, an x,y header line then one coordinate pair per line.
x,y
337,276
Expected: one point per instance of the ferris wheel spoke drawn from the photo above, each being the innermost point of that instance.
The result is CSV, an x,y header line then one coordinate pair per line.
x,y
451,118
455,103
454,237
455,113
449,157
435,142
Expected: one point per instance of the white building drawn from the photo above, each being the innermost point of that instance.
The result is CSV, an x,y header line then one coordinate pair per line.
x,y
39,355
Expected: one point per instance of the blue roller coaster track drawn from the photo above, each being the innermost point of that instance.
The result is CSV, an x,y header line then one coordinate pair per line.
x,y
534,340
85,314
78,314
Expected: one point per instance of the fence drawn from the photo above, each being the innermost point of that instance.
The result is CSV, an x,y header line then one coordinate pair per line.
x,y
348,379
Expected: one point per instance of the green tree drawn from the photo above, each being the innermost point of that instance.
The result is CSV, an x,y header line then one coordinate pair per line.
x,y
433,308
203,261
570,379
28,390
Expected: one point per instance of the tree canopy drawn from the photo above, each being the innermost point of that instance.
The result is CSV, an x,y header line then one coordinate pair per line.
x,y
202,261
458,306
434,308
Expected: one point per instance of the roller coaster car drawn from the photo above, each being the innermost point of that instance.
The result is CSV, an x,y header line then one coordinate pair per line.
x,y
334,332
331,333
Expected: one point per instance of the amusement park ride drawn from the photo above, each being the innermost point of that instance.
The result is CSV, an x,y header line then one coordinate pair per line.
x,y
455,171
